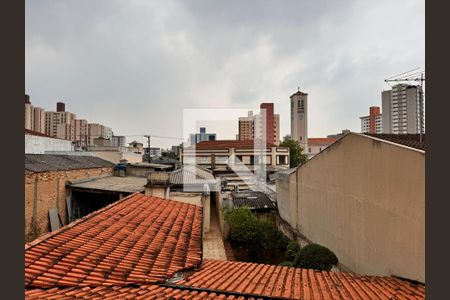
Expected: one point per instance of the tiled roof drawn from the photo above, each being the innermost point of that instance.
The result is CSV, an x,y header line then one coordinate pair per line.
x,y
252,199
295,283
322,141
191,174
410,140
54,162
118,292
226,144
139,239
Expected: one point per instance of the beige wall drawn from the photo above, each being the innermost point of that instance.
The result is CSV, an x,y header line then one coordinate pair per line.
x,y
47,190
365,200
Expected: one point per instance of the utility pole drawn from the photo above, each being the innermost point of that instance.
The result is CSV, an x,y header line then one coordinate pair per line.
x,y
148,140
408,76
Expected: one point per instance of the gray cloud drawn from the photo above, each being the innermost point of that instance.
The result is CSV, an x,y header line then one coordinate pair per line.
x,y
134,65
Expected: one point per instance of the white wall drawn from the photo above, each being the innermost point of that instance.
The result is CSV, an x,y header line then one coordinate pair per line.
x,y
35,144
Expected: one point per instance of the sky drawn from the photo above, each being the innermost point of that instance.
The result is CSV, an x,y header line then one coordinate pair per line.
x,y
136,65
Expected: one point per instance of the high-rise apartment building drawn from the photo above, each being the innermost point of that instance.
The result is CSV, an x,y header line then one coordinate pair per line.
x,y
65,131
118,141
39,119
246,127
29,116
53,119
299,118
402,111
373,122
80,131
34,117
265,124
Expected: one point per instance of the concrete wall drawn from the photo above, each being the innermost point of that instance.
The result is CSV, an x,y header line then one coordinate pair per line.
x,y
47,190
39,144
365,200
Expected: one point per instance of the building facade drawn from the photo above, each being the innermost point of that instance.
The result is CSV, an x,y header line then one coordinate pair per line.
x,y
96,130
118,141
224,155
317,145
373,122
402,111
299,118
53,119
246,127
364,199
39,119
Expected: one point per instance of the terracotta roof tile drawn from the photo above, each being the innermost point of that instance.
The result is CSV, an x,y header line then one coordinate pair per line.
x,y
114,292
410,140
294,283
138,239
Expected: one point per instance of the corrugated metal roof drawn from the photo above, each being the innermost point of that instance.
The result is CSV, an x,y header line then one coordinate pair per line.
x,y
192,174
253,199
53,162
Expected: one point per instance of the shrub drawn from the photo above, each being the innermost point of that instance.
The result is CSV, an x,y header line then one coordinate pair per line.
x,y
286,264
291,250
314,256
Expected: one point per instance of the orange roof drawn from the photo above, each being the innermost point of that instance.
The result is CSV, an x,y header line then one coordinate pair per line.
x,y
295,283
116,292
322,141
226,144
138,239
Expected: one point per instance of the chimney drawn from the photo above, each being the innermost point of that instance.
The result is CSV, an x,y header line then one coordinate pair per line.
x,y
27,99
60,107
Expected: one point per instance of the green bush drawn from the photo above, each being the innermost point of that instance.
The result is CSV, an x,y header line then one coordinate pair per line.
x,y
286,264
314,256
291,250
260,238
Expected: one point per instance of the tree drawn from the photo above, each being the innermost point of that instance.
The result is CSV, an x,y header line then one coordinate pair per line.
x,y
295,152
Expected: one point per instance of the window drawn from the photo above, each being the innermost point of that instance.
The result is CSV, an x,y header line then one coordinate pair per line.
x,y
282,159
238,159
309,150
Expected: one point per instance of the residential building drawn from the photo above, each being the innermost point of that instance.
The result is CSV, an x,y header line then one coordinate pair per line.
x,y
195,138
373,122
39,143
165,258
80,131
363,197
224,155
154,151
136,147
317,145
246,127
176,149
402,111
28,113
96,130
65,131
265,124
299,118
53,119
38,119
45,186
118,140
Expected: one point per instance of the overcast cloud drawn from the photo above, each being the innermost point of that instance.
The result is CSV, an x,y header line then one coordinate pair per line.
x,y
135,65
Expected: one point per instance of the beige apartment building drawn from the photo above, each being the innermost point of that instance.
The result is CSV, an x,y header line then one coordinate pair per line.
x,y
95,130
53,119
246,127
39,119
363,197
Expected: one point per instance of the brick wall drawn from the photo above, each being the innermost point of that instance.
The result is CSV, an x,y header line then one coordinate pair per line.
x,y
47,190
